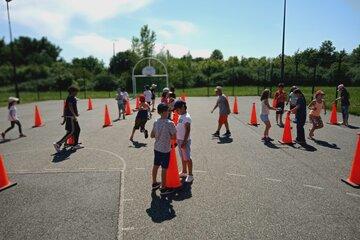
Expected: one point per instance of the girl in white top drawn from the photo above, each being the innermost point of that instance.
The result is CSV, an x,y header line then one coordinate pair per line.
x,y
264,115
13,117
315,107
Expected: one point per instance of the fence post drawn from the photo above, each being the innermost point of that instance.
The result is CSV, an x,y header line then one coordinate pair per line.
x,y
208,86
60,94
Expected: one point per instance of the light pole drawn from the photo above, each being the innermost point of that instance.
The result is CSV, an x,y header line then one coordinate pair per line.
x,y
283,45
12,51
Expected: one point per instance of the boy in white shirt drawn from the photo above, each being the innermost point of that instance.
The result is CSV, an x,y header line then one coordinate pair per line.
x,y
148,94
183,140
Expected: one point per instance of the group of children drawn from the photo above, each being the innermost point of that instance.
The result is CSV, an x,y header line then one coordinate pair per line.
x,y
297,102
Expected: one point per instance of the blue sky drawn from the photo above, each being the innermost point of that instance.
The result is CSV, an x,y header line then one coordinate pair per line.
x,y
236,27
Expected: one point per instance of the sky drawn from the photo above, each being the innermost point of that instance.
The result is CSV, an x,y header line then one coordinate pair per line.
x,y
248,28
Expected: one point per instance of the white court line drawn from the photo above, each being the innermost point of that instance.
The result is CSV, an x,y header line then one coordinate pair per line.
x,y
237,175
52,169
114,169
199,171
87,169
314,187
273,179
128,229
353,194
139,168
128,200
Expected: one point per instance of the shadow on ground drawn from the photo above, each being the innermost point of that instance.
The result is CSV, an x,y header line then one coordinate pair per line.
x,y
137,144
160,209
62,155
225,140
326,144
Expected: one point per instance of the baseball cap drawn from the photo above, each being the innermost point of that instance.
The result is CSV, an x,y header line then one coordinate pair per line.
x,y
13,99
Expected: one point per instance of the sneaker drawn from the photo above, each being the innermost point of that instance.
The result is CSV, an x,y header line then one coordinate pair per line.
x,y
146,133
3,135
227,134
189,179
263,138
182,174
76,147
164,191
269,139
156,186
216,134
57,147
22,135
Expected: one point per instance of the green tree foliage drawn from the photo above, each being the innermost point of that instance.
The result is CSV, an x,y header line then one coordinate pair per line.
x,y
144,46
123,62
217,55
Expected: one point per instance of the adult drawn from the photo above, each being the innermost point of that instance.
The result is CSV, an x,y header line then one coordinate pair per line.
x,y
345,103
300,113
224,111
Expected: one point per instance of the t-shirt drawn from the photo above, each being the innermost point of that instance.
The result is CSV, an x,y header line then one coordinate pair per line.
x,y
147,95
280,96
264,108
13,114
293,98
180,127
301,111
223,106
163,129
120,97
70,100
345,98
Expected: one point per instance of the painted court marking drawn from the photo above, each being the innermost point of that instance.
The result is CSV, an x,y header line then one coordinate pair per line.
x,y
353,194
314,187
199,171
237,175
139,168
273,179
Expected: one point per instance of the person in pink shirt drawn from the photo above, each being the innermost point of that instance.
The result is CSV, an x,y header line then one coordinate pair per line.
x,y
315,109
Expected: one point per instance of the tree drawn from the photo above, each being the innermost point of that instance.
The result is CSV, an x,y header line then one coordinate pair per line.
x,y
144,46
216,55
91,64
326,54
123,62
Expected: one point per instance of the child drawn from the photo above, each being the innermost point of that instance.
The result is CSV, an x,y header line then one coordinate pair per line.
x,y
183,140
121,100
71,123
147,94
300,114
292,99
345,103
280,104
13,117
153,89
224,111
264,115
314,116
163,131
141,118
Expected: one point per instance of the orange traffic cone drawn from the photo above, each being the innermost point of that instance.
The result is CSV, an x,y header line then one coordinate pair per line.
x,y
354,178
4,180
90,105
70,140
253,118
137,103
107,119
127,108
172,173
235,108
333,116
38,119
175,118
287,138
183,97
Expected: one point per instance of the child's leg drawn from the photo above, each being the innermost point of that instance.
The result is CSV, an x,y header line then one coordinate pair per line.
x,y
227,126
163,177
132,134
19,126
190,166
267,128
281,118
219,127
154,173
9,128
76,132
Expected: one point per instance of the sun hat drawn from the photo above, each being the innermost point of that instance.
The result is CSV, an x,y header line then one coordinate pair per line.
x,y
13,99
218,88
341,86
319,92
166,90
153,86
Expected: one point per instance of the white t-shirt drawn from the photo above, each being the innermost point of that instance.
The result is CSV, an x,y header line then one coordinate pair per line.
x,y
180,127
147,95
13,114
264,108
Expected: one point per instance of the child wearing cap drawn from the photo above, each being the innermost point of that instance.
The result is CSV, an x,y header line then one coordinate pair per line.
x,y
163,131
224,111
121,98
70,115
315,107
183,140
279,97
153,89
345,103
141,118
13,117
148,95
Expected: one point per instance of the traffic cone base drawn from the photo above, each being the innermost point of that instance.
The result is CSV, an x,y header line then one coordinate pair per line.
x,y
350,183
288,143
4,180
354,176
8,186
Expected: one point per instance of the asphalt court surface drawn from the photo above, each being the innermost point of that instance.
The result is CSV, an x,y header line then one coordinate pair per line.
x,y
243,189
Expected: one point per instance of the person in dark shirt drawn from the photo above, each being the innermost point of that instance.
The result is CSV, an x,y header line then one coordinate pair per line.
x,y
70,120
345,103
300,114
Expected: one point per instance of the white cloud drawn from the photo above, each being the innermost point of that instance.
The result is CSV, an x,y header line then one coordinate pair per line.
x,y
171,28
182,27
50,17
98,46
178,50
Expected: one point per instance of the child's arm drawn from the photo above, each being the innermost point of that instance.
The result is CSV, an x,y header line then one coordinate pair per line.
x,y
216,105
310,106
324,107
152,134
187,133
268,105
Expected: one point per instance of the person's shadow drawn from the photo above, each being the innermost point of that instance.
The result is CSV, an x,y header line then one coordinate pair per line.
x,y
225,140
269,144
307,147
352,127
160,209
183,193
137,144
62,155
326,144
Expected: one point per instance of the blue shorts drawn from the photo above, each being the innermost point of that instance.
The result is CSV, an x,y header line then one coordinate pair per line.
x,y
264,117
185,153
161,159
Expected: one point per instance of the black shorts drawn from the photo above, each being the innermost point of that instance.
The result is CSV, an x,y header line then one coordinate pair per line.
x,y
70,124
161,159
140,123
280,105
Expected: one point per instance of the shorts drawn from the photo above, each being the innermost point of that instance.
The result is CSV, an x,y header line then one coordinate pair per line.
x,y
280,105
140,123
161,159
70,124
316,121
223,119
264,117
121,105
185,154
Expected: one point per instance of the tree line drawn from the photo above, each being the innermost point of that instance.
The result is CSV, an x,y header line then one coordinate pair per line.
x,y
41,67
